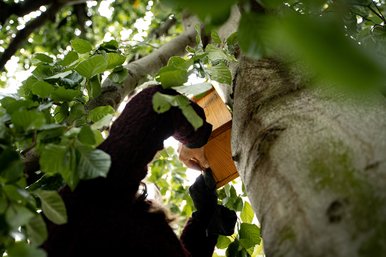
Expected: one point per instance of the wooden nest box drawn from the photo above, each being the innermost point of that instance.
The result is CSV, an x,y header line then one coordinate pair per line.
x,y
218,148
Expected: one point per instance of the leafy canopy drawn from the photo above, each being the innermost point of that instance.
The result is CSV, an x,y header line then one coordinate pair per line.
x,y
82,45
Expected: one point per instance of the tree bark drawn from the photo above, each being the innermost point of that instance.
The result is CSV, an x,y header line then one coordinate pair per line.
x,y
313,163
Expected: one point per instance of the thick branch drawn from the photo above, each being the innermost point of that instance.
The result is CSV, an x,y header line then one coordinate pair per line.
x,y
23,34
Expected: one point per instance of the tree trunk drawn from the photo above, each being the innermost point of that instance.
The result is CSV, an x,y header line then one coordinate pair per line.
x,y
313,163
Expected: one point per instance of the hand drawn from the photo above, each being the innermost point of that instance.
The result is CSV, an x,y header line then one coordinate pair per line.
x,y
193,158
203,194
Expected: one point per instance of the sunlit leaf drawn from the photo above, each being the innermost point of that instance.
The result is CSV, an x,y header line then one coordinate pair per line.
x,y
70,58
92,66
99,112
86,135
247,213
81,46
191,115
215,54
114,60
195,89
170,76
220,73
161,102
223,242
249,235
43,58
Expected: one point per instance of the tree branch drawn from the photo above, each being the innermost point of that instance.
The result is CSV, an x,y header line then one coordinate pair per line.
x,y
21,8
164,27
23,34
113,94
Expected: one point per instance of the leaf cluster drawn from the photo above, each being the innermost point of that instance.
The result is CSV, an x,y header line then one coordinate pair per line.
x,y
49,118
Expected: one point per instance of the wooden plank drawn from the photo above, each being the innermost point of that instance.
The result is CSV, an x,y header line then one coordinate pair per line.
x,y
218,149
218,152
216,111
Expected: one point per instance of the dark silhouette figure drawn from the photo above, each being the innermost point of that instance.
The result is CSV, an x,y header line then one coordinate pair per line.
x,y
107,217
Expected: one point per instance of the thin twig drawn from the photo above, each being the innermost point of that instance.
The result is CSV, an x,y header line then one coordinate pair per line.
x,y
376,13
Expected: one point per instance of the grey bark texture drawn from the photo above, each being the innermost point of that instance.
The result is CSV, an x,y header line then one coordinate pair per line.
x,y
313,161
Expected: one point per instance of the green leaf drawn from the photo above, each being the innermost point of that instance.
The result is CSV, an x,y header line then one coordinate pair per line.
x,y
100,112
92,66
72,81
60,113
60,75
247,213
52,206
223,242
194,90
43,58
215,37
11,168
86,135
170,76
18,215
28,120
55,159
342,62
249,235
119,75
110,46
16,194
37,230
271,3
114,60
216,54
43,71
94,86
161,102
77,112
232,39
220,73
104,122
70,58
252,34
93,163
81,46
179,62
42,89
215,11
12,105
233,249
66,95
22,249
191,115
